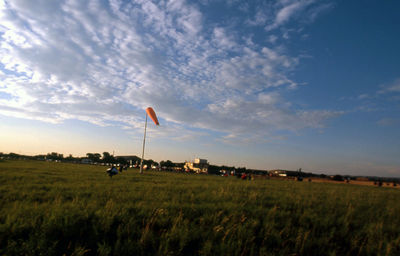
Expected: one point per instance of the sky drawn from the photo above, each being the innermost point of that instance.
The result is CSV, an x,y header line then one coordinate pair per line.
x,y
311,84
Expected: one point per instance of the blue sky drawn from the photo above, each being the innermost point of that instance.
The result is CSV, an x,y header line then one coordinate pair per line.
x,y
262,84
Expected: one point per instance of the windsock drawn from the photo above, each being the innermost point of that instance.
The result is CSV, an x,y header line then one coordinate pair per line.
x,y
152,115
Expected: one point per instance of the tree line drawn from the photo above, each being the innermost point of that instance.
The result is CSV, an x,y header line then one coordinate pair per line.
x,y
96,158
107,158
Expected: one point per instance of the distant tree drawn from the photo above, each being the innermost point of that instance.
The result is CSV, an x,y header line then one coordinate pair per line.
x,y
214,169
54,156
89,155
39,157
70,158
240,170
121,160
108,158
95,157
168,164
180,165
299,173
13,155
292,173
338,177
149,163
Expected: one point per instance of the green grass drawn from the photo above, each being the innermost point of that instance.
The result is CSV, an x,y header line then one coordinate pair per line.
x,y
57,208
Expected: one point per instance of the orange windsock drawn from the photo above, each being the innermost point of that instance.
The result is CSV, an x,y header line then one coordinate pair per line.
x,y
152,115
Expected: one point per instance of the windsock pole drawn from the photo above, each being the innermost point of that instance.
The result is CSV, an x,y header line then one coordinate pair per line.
x,y
144,141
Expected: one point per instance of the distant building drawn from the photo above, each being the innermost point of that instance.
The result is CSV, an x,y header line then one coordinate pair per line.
x,y
258,172
132,161
198,166
278,173
86,161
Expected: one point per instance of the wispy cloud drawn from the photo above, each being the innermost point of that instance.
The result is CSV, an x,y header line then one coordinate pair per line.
x,y
104,62
388,122
393,87
276,16
287,10
259,19
378,99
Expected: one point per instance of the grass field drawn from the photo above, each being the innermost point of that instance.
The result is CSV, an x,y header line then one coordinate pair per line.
x,y
57,208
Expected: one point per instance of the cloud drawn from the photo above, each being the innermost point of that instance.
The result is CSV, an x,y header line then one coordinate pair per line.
x,y
317,10
388,122
305,11
381,100
391,88
259,19
286,12
222,40
363,96
104,62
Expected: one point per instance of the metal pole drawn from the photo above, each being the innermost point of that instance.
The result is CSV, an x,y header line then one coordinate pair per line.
x,y
144,141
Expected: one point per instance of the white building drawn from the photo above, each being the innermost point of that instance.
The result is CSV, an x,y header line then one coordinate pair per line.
x,y
198,165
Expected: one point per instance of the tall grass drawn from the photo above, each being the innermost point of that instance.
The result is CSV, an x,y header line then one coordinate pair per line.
x,y
57,208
